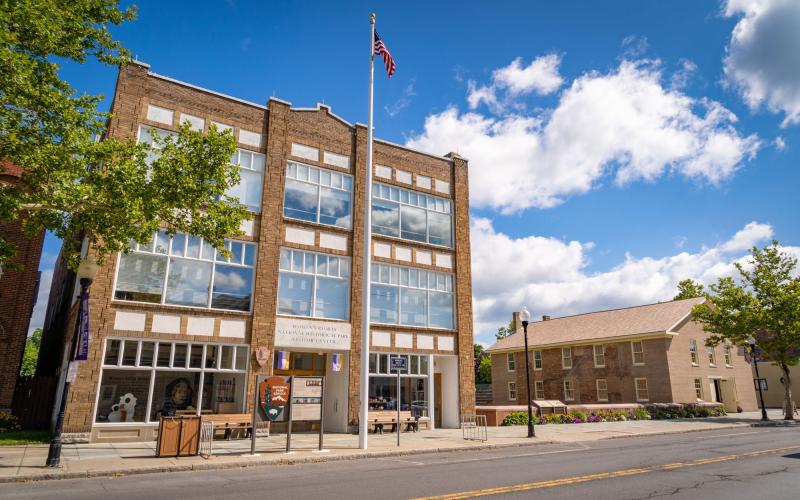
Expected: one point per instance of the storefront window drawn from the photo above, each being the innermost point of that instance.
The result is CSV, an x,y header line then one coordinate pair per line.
x,y
181,383
413,395
180,270
315,285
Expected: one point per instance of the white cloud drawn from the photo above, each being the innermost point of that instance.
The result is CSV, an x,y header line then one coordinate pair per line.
x,y
624,123
745,238
763,59
403,101
541,76
548,275
779,143
634,46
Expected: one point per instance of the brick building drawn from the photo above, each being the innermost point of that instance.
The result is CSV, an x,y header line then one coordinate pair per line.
x,y
18,290
647,354
175,327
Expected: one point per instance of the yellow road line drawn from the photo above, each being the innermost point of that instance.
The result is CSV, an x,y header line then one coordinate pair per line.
x,y
604,475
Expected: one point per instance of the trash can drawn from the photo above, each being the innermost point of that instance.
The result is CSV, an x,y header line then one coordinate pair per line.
x,y
178,437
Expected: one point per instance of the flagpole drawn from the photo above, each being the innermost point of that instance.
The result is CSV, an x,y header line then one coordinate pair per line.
x,y
365,297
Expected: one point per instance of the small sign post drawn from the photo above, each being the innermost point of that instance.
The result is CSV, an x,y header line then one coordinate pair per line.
x,y
761,383
399,364
271,400
306,404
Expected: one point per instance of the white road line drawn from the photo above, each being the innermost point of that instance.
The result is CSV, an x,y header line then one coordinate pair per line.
x,y
715,436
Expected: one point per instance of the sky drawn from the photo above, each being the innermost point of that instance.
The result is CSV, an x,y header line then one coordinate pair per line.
x,y
615,147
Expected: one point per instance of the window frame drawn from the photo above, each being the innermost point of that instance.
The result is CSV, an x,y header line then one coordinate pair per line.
x,y
693,352
569,390
537,360
403,197
634,352
168,256
237,163
153,369
727,356
314,276
602,355
443,283
538,390
319,187
511,362
637,389
512,391
698,388
605,389
566,361
712,356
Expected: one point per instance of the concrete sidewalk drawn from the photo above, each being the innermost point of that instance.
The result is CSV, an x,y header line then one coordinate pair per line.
x,y
26,463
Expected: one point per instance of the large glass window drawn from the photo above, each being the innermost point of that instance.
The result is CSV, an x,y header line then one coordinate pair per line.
x,y
185,270
318,195
181,383
313,284
413,384
251,168
411,215
412,297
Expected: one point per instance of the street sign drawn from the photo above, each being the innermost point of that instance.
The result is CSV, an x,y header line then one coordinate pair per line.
x,y
761,383
399,364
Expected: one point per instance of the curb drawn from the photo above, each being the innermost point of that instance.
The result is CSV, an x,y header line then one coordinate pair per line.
x,y
241,464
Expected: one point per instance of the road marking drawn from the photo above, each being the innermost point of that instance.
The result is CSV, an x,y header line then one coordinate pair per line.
x,y
604,475
715,436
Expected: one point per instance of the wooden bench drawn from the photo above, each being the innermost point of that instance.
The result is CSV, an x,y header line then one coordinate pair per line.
x,y
230,422
378,419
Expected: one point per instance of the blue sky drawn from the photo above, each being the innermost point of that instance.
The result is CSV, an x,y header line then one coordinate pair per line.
x,y
632,140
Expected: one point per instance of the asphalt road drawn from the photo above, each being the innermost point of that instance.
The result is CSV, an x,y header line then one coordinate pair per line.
x,y
758,463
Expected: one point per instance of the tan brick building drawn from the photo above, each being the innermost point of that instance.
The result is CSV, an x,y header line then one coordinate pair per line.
x,y
177,329
648,354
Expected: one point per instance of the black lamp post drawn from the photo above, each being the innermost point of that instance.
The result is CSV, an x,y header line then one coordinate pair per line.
x,y
87,270
524,317
752,341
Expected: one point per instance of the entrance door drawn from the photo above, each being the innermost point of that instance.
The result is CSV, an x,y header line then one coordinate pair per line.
x,y
437,407
717,392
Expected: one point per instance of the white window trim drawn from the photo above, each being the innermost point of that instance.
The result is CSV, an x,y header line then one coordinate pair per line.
x,y
603,353
319,194
536,391
696,387
313,304
512,388
727,356
566,396
563,359
509,361
213,261
154,369
391,373
693,353
636,389
541,361
633,353
448,211
712,356
597,387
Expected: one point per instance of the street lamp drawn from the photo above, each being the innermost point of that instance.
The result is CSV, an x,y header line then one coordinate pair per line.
x,y
524,317
87,270
752,341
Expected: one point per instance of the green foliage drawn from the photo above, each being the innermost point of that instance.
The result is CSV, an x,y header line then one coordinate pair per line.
x,y
20,438
484,371
31,354
516,418
764,304
639,414
505,331
75,185
8,423
688,289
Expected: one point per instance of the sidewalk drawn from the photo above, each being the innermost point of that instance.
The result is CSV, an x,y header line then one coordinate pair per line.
x,y
26,463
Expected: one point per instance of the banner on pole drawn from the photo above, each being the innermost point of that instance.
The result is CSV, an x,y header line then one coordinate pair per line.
x,y
82,351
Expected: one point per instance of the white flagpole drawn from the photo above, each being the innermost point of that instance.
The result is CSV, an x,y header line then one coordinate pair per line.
x,y
365,296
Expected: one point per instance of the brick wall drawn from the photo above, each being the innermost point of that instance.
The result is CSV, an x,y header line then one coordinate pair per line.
x,y
17,297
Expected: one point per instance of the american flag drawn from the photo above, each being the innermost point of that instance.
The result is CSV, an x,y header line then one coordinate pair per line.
x,y
381,50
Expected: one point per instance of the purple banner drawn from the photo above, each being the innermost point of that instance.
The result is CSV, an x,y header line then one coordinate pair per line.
x,y
82,351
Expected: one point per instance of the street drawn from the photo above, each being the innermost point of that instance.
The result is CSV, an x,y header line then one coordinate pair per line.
x,y
731,463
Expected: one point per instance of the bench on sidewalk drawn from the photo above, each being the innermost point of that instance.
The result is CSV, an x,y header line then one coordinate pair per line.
x,y
230,422
378,419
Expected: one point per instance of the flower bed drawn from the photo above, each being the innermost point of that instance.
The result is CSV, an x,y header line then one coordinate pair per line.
x,y
657,411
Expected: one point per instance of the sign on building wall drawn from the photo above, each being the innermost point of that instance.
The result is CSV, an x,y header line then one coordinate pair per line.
x,y
308,334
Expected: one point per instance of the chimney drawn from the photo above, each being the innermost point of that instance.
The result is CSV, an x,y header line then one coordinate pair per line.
x,y
515,323
545,318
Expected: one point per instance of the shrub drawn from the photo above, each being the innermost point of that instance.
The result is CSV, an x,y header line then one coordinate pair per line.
x,y
639,414
9,423
516,418
578,414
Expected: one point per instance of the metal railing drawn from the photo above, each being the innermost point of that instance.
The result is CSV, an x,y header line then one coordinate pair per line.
x,y
206,438
473,427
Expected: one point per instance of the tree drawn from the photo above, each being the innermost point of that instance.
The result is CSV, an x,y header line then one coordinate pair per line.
x,y
504,331
764,304
110,192
689,289
484,375
31,354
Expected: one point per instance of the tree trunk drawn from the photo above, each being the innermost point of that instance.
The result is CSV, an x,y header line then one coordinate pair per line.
x,y
788,413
